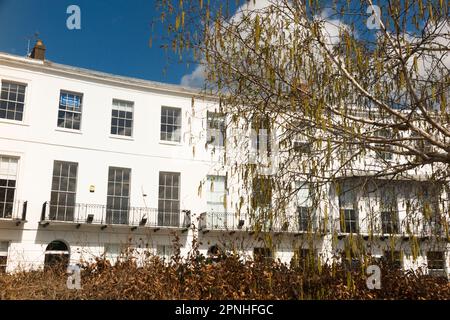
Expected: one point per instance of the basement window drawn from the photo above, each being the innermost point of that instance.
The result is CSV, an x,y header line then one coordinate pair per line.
x,y
164,251
112,252
304,257
393,258
302,147
436,263
4,245
262,254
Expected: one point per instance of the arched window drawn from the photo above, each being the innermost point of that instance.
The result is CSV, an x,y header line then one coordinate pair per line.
x,y
213,250
56,255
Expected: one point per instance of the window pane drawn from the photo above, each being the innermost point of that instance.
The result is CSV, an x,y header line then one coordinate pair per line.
x,y
168,199
3,260
12,101
122,118
216,197
8,175
436,260
170,124
63,194
118,197
70,108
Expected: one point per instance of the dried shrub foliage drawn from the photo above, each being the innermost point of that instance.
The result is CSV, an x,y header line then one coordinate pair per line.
x,y
223,277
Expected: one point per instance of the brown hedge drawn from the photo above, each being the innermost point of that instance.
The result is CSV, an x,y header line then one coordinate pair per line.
x,y
225,277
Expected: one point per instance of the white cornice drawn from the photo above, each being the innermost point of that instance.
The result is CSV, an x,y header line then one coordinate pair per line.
x,y
97,76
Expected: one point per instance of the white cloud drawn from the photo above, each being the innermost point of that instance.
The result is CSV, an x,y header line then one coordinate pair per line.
x,y
195,79
252,6
331,30
427,63
331,27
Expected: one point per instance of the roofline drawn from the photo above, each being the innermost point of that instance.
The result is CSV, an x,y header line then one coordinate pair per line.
x,y
92,75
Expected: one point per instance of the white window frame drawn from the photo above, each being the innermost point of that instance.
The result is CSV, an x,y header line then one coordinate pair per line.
x,y
4,253
172,217
389,206
262,133
69,92
16,175
443,262
348,203
213,194
112,252
219,134
304,205
121,105
165,252
123,213
216,200
177,139
60,191
19,83
388,154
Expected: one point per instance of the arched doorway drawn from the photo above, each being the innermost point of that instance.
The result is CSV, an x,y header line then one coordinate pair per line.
x,y
213,250
215,253
56,255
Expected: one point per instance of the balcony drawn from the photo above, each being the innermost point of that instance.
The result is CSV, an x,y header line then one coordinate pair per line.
x,y
434,229
14,212
294,225
419,228
221,221
100,215
231,222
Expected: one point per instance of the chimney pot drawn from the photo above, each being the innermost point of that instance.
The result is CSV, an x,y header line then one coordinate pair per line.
x,y
38,51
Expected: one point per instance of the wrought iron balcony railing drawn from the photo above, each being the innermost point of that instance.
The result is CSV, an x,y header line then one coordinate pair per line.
x,y
14,211
228,221
405,229
221,221
439,229
95,214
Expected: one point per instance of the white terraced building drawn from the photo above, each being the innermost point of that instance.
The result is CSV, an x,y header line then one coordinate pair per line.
x,y
91,163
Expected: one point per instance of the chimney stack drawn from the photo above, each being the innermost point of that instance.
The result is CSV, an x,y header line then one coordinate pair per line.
x,y
38,51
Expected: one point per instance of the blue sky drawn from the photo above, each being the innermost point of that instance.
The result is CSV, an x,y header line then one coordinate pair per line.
x,y
114,36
